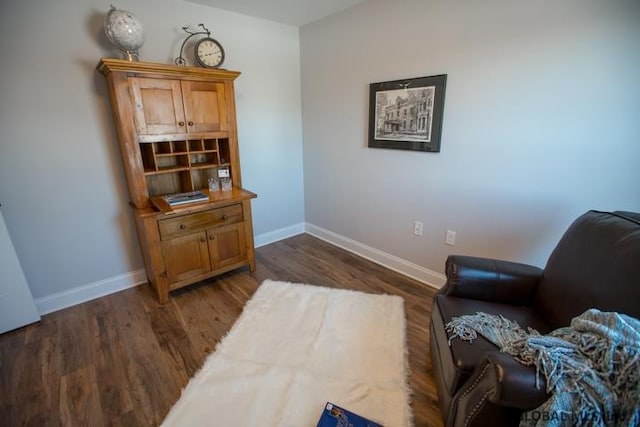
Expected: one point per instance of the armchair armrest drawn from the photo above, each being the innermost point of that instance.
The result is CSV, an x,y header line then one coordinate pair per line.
x,y
515,383
491,280
497,393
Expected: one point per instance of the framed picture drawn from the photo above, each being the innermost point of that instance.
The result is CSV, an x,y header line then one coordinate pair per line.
x,y
407,114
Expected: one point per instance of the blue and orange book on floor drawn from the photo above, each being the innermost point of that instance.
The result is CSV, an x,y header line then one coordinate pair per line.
x,y
335,416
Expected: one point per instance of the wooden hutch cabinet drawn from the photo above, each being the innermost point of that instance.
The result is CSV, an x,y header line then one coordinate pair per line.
x,y
177,127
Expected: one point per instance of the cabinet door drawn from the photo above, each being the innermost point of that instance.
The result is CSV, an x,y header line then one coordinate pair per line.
x,y
205,106
227,245
186,256
158,106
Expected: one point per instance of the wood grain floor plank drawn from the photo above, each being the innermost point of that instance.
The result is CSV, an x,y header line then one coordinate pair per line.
x,y
110,354
203,312
79,399
174,342
123,359
150,380
73,340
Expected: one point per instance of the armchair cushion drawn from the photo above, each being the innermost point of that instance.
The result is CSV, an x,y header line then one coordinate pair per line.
x,y
596,264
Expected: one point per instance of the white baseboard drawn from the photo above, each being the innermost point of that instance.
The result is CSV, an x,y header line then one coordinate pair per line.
x,y
128,280
91,291
124,281
276,235
392,262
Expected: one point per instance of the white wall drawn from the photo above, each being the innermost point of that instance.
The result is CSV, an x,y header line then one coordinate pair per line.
x,y
541,123
62,186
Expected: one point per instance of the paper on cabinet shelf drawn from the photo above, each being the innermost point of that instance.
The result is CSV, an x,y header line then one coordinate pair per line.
x,y
182,198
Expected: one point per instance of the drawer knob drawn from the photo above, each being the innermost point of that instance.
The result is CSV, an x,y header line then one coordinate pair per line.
x,y
190,123
225,217
180,123
212,237
202,239
182,226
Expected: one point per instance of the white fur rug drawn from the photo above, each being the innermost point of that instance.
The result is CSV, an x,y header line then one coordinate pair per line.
x,y
295,347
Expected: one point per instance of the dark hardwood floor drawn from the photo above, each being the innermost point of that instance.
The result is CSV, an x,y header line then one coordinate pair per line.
x,y
122,360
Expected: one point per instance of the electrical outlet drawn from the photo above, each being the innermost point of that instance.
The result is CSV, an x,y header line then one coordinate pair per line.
x,y
450,238
417,228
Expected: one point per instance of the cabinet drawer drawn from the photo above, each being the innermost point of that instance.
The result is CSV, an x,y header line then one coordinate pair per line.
x,y
199,221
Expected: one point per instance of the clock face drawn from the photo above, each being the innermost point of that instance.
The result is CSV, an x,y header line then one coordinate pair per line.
x,y
209,53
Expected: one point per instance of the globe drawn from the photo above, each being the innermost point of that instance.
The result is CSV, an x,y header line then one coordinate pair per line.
x,y
124,31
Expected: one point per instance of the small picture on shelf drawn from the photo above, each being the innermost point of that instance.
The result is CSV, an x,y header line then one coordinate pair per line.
x,y
225,179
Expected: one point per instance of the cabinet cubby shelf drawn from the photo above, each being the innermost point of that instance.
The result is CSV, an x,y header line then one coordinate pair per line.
x,y
203,165
168,169
170,154
172,169
183,155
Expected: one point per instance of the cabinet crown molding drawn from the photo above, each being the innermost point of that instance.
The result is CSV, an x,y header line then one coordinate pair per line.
x,y
108,65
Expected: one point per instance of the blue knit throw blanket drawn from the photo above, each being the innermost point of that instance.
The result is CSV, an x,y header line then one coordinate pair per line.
x,y
592,367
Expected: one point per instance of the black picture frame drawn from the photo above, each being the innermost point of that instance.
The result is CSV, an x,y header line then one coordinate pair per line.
x,y
407,114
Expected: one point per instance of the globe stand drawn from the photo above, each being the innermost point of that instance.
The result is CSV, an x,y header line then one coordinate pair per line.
x,y
131,56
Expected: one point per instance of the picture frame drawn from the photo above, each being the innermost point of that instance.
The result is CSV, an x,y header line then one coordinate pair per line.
x,y
407,114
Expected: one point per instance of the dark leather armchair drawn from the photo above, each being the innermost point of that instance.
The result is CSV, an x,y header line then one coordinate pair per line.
x,y
596,264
